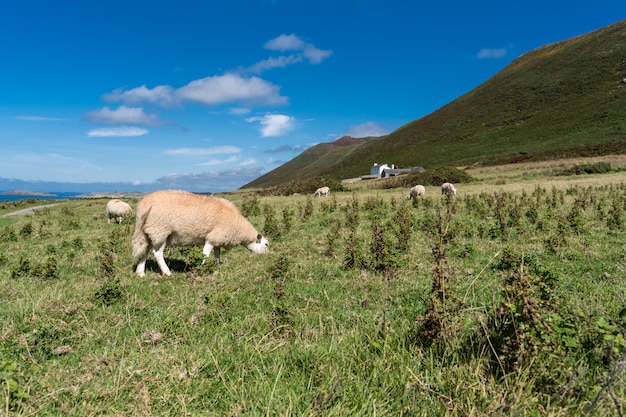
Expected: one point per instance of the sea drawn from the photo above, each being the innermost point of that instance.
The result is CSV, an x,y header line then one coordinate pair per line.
x,y
52,196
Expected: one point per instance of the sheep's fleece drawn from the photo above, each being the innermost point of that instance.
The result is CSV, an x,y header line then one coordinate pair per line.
x,y
181,218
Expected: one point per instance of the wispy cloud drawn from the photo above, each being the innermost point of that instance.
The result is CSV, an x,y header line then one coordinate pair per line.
x,y
274,124
288,43
285,148
247,162
210,181
278,62
292,42
487,53
38,119
213,162
162,95
121,131
238,111
366,129
216,150
123,116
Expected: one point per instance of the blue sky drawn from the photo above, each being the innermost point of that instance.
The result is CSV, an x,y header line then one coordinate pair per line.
x,y
209,95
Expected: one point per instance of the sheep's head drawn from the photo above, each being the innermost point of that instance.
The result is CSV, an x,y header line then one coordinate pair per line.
x,y
260,245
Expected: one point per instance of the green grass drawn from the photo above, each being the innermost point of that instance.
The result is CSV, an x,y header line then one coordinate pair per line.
x,y
506,302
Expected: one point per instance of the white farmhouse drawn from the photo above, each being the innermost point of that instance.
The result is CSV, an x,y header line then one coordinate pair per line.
x,y
378,169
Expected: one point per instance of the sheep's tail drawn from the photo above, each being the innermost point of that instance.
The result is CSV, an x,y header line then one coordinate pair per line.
x,y
141,243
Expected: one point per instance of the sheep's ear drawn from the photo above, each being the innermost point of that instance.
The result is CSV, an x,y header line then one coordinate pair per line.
x,y
258,238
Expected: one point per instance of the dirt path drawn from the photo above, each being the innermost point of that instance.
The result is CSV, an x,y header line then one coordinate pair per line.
x,y
28,210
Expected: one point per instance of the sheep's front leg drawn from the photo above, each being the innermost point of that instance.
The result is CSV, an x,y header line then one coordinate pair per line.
x,y
158,254
141,266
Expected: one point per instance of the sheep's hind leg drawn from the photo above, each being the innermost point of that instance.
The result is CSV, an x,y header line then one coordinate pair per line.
x,y
158,254
216,252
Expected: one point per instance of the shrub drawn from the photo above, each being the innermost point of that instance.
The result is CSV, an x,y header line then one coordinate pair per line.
x,y
597,168
109,292
431,177
7,234
27,230
306,186
250,206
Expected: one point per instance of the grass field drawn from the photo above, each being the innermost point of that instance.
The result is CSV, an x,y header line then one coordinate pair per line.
x,y
508,299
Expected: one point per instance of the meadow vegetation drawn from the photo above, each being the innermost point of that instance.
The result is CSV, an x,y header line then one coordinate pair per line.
x,y
507,299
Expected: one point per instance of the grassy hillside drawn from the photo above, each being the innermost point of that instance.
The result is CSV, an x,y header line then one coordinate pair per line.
x,y
565,99
490,303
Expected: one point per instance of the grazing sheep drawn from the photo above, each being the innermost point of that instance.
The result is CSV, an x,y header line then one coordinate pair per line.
x,y
118,209
416,191
322,191
447,188
181,218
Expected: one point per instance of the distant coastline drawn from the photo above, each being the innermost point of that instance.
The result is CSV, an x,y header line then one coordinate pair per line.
x,y
27,193
116,194
18,195
36,194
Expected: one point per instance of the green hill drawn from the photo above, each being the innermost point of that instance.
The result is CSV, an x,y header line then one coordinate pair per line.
x,y
561,100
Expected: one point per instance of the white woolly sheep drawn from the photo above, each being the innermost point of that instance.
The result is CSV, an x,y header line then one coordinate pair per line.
x,y
181,218
322,191
447,188
416,191
117,210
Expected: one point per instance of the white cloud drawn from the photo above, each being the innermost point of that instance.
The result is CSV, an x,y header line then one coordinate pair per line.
x,y
292,42
491,53
122,131
123,116
162,95
231,88
274,124
220,89
285,43
366,129
217,150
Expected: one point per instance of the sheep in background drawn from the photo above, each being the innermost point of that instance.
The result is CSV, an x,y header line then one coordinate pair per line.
x,y
322,191
416,191
118,209
447,188
181,218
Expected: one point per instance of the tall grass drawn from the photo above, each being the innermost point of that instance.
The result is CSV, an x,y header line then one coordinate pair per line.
x,y
505,303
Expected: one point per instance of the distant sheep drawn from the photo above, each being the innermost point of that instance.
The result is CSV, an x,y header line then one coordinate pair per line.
x,y
180,218
322,191
117,210
417,191
447,188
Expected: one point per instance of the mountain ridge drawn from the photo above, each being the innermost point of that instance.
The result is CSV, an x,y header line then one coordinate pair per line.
x,y
559,100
